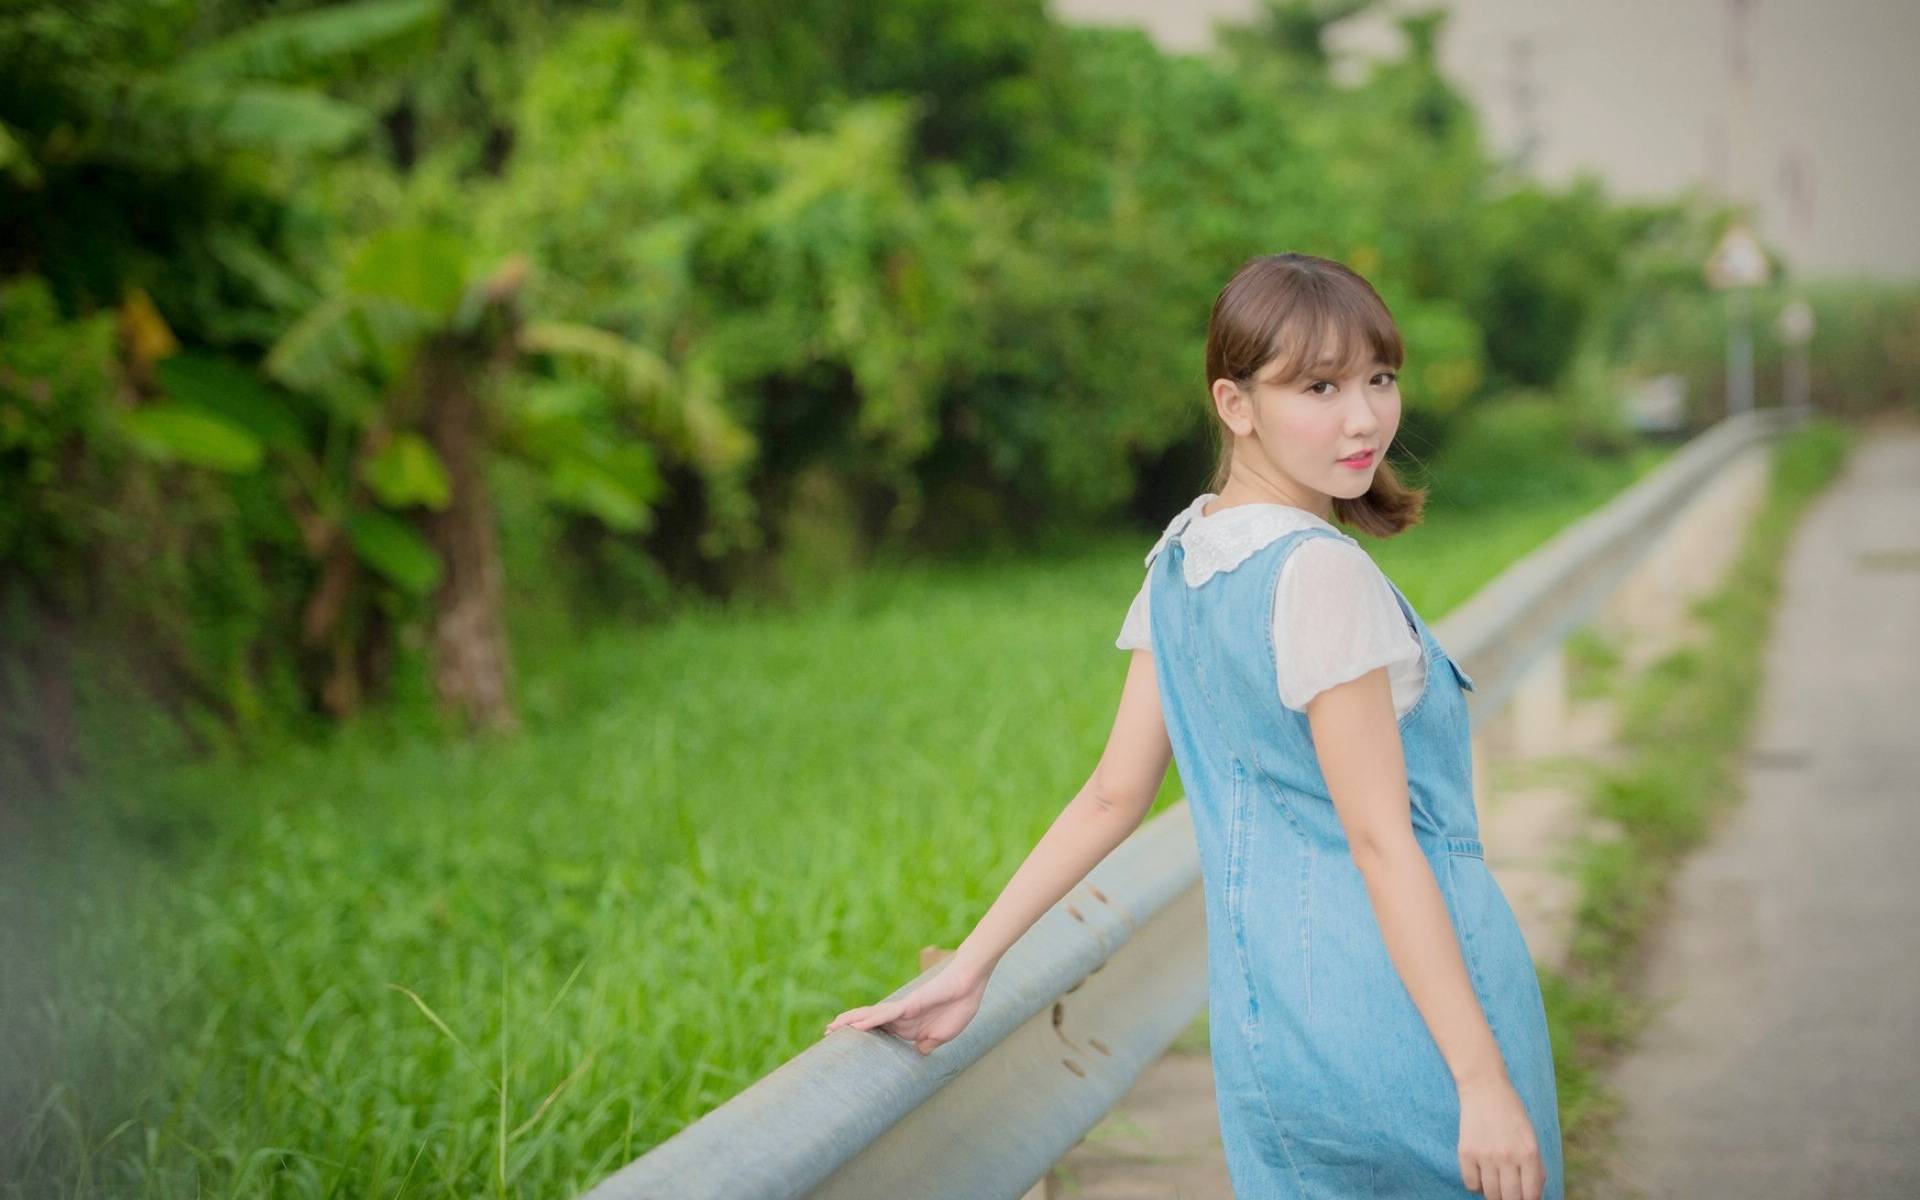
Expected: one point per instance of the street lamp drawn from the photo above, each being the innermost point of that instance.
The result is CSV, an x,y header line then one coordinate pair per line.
x,y
1796,330
1737,266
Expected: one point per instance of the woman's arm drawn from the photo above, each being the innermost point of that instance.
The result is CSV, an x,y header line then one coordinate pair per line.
x,y
1106,809
1357,741
1358,744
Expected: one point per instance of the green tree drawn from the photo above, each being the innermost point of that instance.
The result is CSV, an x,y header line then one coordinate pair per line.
x,y
137,153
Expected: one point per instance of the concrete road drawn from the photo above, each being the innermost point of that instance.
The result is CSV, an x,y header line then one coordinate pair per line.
x,y
1786,1060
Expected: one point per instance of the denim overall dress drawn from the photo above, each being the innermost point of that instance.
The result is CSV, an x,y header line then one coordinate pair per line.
x,y
1328,1081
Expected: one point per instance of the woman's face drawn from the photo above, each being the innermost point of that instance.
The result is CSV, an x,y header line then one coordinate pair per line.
x,y
1300,429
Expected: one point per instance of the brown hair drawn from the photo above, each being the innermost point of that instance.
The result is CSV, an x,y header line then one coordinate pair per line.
x,y
1294,306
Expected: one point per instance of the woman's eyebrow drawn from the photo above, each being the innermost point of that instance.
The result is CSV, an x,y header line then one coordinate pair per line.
x,y
1329,367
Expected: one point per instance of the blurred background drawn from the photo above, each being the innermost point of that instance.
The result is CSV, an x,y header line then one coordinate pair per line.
x,y
545,547
1797,109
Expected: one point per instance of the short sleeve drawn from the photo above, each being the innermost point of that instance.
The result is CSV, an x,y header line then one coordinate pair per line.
x,y
1334,619
1134,633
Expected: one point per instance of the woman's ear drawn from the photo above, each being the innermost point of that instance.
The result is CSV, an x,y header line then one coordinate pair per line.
x,y
1234,406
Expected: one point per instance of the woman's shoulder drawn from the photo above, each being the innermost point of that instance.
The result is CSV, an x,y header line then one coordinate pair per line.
x,y
1326,575
1337,558
1222,541
1179,522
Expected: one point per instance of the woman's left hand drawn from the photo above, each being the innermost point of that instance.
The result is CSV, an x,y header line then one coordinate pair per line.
x,y
929,1016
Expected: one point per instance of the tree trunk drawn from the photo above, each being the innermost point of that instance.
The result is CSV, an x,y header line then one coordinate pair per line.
x,y
36,687
472,667
325,637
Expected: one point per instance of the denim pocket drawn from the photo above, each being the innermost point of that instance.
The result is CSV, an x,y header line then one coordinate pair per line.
x,y
1489,935
1466,680
1326,1166
1239,832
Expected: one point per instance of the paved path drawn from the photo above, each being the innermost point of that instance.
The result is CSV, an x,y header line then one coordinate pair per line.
x,y
1786,1061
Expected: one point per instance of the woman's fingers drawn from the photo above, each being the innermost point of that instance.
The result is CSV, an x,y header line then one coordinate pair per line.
x,y
1503,1181
879,1014
1532,1178
867,1016
1481,1174
875,1016
905,1018
848,1017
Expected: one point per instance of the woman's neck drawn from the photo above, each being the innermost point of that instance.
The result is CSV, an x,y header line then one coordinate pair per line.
x,y
1232,497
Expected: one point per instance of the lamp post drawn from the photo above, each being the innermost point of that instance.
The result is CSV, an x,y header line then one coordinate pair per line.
x,y
1796,330
1737,266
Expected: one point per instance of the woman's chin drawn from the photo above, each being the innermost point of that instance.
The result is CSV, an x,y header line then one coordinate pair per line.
x,y
1352,484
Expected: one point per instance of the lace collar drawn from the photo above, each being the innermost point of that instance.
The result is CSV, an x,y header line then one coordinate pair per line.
x,y
1226,539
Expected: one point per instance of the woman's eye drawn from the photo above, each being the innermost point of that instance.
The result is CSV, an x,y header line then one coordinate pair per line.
x,y
1317,384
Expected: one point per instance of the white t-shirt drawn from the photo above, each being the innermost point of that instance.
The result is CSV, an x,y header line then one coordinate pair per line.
x,y
1334,614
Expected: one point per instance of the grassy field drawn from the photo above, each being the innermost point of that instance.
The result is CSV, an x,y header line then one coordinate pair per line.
x,y
396,964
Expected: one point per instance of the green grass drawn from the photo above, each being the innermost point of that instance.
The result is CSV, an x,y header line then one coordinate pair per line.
x,y
392,963
1684,724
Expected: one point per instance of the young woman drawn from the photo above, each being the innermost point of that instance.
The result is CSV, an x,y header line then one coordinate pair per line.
x,y
1377,1027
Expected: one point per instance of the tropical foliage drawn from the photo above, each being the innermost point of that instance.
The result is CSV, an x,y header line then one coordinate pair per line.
x,y
332,328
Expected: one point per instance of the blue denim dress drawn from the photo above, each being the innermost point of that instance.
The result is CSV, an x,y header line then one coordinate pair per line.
x,y
1328,1081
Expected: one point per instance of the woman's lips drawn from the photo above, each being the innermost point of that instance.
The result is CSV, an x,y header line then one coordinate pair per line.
x,y
1364,460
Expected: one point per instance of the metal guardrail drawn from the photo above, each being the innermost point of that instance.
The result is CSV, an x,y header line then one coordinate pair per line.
x,y
1105,980
1531,607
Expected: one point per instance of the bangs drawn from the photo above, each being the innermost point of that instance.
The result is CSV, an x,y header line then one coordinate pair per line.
x,y
1330,333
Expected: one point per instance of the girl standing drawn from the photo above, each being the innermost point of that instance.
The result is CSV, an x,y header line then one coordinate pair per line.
x,y
1376,1025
